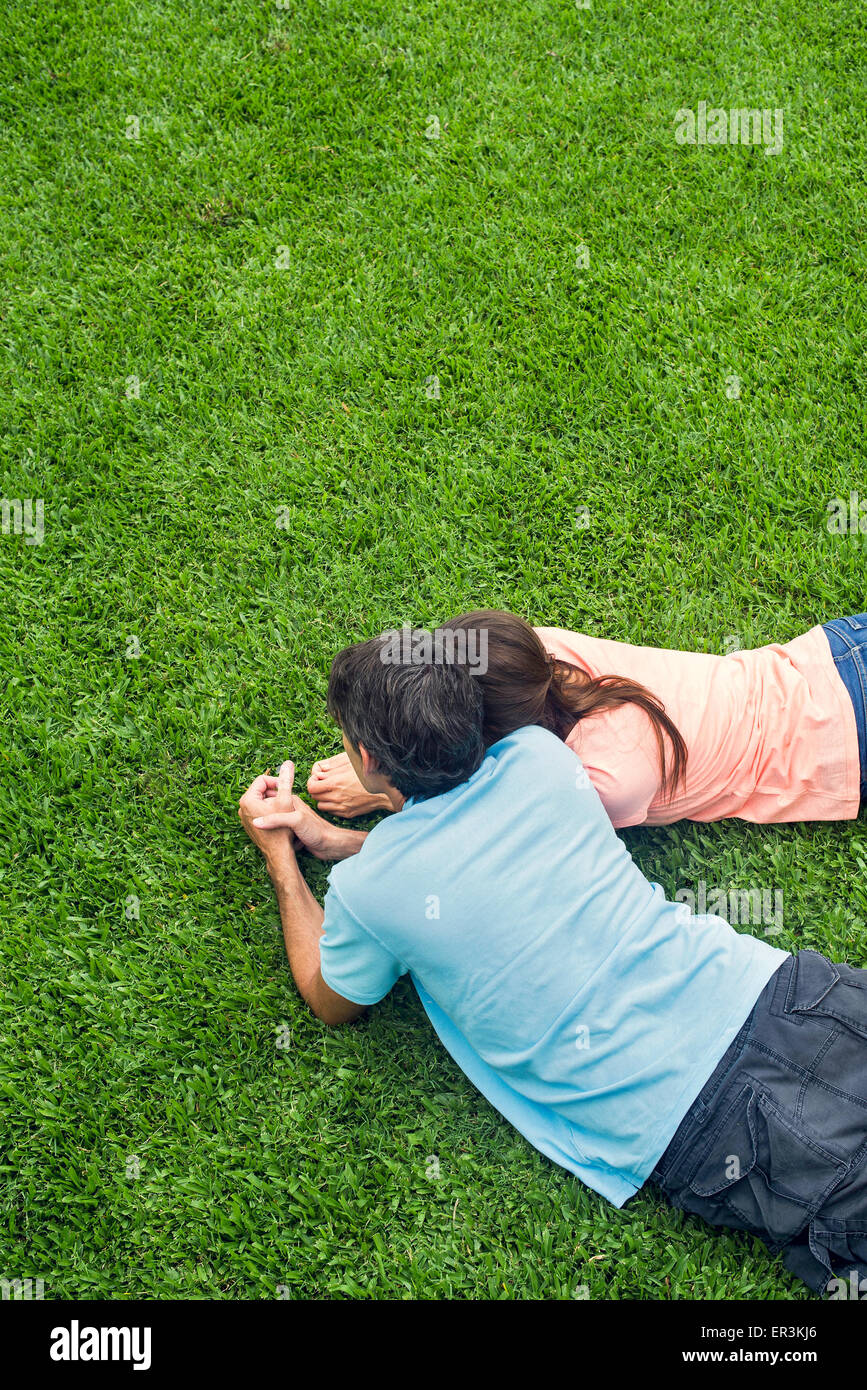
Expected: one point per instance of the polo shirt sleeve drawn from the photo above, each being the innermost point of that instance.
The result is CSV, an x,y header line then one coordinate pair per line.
x,y
352,961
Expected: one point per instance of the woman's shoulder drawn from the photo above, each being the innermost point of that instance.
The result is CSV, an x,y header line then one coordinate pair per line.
x,y
599,656
565,645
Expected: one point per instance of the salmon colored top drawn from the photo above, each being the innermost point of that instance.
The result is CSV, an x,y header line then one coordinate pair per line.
x,y
770,733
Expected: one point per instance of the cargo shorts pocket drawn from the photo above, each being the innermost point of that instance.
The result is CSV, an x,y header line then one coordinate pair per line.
x,y
824,989
839,1248
762,1172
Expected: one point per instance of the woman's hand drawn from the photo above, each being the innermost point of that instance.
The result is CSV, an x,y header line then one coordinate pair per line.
x,y
336,789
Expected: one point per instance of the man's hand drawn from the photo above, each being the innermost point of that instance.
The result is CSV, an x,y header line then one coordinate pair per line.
x,y
259,796
280,810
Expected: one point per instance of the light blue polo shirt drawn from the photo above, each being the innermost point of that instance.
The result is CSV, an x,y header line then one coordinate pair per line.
x,y
588,1008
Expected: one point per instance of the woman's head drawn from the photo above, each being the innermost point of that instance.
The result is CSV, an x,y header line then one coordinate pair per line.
x,y
517,680
523,685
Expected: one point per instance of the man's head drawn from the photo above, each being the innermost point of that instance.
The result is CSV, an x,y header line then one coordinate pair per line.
x,y
413,723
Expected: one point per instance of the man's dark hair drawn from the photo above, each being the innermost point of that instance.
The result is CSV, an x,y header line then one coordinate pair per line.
x,y
421,720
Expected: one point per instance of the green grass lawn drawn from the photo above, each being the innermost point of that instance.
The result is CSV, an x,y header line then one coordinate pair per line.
x,y
218,346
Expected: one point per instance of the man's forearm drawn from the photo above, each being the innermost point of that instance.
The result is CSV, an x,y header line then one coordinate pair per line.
x,y
344,843
301,917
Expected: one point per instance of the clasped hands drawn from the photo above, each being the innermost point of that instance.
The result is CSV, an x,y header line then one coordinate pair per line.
x,y
269,807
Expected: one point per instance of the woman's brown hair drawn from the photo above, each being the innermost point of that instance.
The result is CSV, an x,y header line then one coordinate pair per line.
x,y
524,685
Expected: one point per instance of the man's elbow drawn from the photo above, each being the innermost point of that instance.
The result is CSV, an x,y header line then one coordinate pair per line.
x,y
334,1015
330,1008
336,1020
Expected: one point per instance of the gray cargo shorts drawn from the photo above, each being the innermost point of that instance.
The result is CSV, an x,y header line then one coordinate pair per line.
x,y
776,1142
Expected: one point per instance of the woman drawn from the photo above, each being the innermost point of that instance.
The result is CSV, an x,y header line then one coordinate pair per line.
x,y
778,733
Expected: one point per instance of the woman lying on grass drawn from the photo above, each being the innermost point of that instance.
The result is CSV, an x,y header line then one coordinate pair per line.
x,y
778,733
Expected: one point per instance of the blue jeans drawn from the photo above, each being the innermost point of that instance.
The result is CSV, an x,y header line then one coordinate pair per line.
x,y
847,638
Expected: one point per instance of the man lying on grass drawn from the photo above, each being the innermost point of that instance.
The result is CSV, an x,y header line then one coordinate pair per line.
x,y
624,1036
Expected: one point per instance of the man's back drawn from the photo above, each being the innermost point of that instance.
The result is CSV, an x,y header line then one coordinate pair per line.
x,y
516,907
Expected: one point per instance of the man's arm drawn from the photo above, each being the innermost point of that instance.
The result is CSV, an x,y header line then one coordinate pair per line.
x,y
302,918
300,913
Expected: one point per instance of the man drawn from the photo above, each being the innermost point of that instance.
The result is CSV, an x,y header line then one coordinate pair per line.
x,y
626,1037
